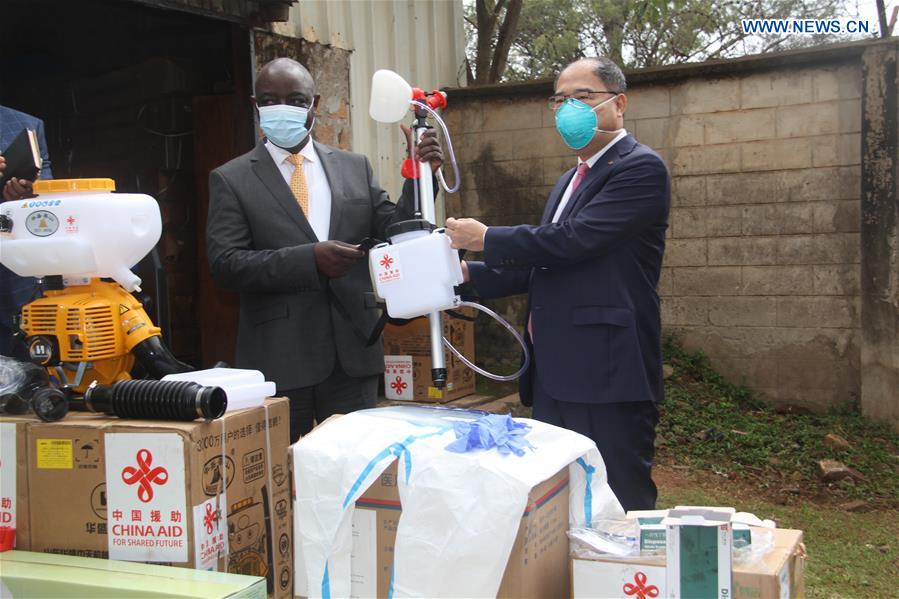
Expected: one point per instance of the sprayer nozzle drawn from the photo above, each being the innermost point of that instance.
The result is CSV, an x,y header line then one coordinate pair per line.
x,y
438,376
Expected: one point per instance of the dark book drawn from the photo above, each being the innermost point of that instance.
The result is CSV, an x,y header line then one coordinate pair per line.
x,y
23,158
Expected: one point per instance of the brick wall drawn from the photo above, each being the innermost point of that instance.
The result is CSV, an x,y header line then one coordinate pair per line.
x,y
762,267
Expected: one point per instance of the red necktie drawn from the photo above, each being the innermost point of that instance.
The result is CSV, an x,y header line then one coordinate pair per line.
x,y
582,169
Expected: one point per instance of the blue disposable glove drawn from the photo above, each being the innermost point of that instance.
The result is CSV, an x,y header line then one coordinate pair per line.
x,y
491,430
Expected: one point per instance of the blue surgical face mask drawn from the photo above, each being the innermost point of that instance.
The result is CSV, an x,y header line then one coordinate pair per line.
x,y
577,124
284,125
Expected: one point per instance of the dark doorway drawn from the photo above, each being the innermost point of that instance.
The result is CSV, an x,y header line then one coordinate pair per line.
x,y
154,99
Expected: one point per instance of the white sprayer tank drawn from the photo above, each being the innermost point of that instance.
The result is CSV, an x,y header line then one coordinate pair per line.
x,y
416,273
78,228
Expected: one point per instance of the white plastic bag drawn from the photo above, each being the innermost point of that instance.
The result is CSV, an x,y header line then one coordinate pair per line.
x,y
460,510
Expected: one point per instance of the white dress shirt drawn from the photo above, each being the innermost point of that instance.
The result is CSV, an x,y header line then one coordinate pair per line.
x,y
590,162
316,182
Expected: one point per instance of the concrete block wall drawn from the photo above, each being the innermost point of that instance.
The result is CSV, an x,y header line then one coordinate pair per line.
x,y
761,268
763,264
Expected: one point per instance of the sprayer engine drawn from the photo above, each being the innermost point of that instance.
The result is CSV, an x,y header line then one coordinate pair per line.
x,y
82,240
86,333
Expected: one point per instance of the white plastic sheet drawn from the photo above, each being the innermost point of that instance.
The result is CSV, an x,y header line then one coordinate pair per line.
x,y
460,511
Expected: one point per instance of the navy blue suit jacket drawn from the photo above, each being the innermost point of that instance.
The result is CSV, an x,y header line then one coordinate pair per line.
x,y
15,290
591,279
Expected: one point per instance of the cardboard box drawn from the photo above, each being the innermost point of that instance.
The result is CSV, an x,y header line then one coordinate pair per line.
x,y
14,476
538,564
408,347
39,575
179,493
699,554
780,573
617,578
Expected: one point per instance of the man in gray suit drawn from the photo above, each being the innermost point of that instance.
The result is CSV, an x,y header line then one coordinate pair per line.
x,y
285,220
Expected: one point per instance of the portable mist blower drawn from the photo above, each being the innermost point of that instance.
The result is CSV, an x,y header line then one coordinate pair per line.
x,y
415,273
87,329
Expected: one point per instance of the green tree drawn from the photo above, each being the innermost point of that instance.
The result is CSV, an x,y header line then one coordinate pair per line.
x,y
494,23
548,34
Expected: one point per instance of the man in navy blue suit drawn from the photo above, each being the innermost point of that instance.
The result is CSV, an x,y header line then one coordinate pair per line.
x,y
590,269
15,290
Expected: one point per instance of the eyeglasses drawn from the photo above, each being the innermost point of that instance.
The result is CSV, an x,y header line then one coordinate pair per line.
x,y
556,100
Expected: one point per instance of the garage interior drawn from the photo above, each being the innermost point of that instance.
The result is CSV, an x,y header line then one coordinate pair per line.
x,y
153,98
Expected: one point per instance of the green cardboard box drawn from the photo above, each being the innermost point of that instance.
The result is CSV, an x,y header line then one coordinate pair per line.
x,y
698,560
652,531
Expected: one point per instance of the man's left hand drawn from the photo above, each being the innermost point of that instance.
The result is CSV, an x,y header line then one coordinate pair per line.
x,y
429,149
466,233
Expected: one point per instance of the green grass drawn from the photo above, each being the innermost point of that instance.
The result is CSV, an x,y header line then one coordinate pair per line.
x,y
712,424
744,454
485,386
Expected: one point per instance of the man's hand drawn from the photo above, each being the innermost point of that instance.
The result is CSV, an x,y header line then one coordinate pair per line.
x,y
16,189
428,150
466,233
335,258
465,274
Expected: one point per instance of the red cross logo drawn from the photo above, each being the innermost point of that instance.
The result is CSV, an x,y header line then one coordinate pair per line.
x,y
212,517
640,590
144,476
399,385
386,261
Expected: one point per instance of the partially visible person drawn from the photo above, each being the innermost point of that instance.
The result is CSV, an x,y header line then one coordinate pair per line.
x,y
590,269
16,291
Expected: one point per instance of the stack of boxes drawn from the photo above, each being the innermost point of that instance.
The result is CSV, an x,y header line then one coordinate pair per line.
x,y
205,495
688,552
407,360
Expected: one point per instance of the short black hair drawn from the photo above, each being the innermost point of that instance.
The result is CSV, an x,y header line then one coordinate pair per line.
x,y
604,68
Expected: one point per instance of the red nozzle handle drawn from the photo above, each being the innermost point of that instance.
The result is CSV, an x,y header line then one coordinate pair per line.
x,y
410,169
435,100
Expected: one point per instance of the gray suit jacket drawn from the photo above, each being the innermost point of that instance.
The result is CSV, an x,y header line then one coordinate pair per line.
x,y
260,244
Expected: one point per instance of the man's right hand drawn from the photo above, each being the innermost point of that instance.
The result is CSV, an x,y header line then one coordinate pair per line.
x,y
335,258
16,189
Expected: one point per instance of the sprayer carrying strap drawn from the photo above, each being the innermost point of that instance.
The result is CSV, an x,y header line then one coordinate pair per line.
x,y
372,337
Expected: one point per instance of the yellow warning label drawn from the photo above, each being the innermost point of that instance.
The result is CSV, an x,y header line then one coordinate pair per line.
x,y
123,308
435,393
54,453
